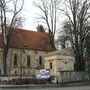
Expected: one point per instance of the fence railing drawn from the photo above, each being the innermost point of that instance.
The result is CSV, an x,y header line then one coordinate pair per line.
x,y
70,76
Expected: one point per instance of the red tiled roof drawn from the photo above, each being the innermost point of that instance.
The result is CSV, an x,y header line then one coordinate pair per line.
x,y
20,38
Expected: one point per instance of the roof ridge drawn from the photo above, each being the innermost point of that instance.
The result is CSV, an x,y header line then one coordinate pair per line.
x,y
21,38
30,30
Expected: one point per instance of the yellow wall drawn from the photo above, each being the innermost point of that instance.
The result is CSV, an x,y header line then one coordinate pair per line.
x,y
22,57
59,62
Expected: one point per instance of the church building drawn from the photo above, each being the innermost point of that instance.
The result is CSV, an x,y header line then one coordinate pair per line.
x,y
26,52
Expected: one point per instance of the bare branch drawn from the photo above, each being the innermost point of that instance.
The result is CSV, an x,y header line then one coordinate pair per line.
x,y
16,12
4,8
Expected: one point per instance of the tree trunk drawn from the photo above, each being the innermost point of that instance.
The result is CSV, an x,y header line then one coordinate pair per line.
x,y
79,62
5,60
52,41
82,60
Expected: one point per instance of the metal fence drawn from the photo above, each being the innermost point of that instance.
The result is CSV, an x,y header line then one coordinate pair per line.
x,y
71,76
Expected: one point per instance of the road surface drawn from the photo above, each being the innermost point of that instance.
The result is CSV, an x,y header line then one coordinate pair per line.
x,y
50,88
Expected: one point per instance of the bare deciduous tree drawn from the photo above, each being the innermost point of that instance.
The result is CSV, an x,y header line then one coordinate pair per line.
x,y
77,27
61,40
9,17
49,15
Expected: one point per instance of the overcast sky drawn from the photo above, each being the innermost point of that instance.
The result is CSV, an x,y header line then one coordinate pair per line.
x,y
29,12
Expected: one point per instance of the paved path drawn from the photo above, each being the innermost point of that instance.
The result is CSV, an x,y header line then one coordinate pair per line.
x,y
50,88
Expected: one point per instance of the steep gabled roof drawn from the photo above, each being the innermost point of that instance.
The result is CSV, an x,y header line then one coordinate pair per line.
x,y
20,38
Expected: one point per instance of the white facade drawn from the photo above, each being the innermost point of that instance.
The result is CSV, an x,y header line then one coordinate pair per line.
x,y
60,61
22,67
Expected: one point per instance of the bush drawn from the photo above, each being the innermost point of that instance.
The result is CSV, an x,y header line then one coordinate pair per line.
x,y
22,81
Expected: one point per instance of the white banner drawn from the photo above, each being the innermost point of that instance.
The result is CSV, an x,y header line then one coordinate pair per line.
x,y
43,74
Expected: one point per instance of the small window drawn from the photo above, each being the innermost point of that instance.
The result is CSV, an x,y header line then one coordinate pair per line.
x,y
28,60
15,72
15,60
51,65
40,60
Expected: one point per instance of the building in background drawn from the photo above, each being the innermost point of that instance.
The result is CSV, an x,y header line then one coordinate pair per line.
x,y
57,61
26,52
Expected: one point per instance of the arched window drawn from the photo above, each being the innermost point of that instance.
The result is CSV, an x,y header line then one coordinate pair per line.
x,y
40,60
50,65
15,60
28,60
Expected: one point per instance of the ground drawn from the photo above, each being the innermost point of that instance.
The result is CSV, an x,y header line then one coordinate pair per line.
x,y
51,88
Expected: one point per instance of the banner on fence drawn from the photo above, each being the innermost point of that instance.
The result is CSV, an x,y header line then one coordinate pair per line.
x,y
43,74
